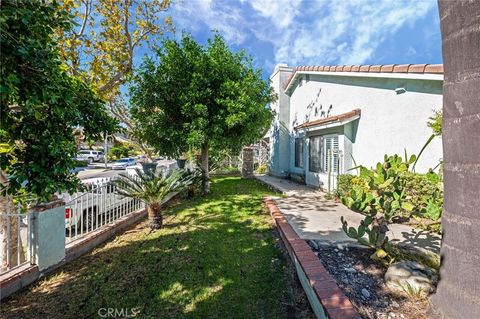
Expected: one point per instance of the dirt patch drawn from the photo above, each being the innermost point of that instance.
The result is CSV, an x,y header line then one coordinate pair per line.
x,y
361,279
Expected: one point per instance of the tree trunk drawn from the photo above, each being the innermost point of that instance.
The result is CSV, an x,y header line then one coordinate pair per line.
x,y
155,218
204,166
458,292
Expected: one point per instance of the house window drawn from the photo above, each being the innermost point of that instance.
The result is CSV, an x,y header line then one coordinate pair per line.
x,y
315,154
324,154
299,152
331,154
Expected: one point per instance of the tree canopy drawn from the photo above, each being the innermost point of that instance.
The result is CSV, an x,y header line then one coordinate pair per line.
x,y
201,97
103,42
101,45
41,104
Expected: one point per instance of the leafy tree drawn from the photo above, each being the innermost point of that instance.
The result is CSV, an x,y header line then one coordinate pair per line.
x,y
200,97
41,104
102,46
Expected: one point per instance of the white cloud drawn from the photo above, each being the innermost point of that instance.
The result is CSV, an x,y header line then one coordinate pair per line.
x,y
346,32
308,31
280,12
196,14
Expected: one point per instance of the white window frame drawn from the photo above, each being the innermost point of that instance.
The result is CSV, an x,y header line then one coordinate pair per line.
x,y
323,154
335,158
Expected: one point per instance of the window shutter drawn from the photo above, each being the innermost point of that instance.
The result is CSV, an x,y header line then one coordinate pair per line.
x,y
331,158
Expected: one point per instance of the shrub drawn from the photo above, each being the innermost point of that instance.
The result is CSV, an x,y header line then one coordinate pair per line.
x,y
384,192
233,170
422,193
262,169
345,183
120,151
81,163
426,194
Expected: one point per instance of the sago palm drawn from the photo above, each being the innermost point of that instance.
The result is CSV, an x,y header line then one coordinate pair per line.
x,y
152,188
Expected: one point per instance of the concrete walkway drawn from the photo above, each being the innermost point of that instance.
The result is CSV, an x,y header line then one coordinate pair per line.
x,y
315,218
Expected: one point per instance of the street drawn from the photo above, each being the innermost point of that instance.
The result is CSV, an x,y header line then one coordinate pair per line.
x,y
97,172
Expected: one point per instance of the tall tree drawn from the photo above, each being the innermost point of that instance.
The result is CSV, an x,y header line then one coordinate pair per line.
x,y
41,104
458,292
40,107
103,44
200,97
101,47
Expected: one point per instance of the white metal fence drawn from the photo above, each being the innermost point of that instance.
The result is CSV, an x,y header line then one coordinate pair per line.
x,y
100,205
15,235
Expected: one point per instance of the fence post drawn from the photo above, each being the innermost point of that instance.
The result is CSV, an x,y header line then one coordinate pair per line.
x,y
48,234
247,162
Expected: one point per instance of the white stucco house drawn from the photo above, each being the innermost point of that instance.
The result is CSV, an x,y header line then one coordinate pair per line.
x,y
328,118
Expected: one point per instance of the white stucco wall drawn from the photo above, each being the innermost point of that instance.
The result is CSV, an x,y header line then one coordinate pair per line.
x,y
389,122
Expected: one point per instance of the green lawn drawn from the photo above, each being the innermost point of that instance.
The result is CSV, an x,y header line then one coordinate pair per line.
x,y
217,257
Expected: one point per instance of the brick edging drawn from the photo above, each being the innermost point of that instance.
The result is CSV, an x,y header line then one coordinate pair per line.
x,y
319,283
21,277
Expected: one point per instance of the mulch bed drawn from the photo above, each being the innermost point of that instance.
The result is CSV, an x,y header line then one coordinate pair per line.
x,y
361,279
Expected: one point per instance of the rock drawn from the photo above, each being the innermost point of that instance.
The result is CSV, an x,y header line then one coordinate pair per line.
x,y
314,244
365,293
409,278
395,304
350,270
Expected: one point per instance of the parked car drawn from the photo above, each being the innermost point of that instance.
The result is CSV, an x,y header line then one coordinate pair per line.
x,y
98,205
123,163
90,156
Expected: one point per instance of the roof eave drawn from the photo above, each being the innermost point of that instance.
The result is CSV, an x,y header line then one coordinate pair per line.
x,y
327,125
436,76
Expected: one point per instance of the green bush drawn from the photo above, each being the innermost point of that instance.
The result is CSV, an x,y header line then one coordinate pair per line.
x,y
81,163
426,194
345,182
262,169
385,199
120,151
393,189
233,170
405,193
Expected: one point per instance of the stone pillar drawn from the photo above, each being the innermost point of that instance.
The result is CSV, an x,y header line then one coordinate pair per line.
x,y
48,234
247,162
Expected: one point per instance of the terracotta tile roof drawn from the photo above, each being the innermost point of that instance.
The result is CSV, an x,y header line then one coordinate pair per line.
x,y
384,68
330,119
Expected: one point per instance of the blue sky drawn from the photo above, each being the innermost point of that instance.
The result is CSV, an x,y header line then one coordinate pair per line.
x,y
318,32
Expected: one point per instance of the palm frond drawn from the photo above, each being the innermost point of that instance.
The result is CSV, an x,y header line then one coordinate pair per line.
x,y
151,186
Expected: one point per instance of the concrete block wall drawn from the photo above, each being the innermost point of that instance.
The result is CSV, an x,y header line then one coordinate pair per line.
x,y
48,237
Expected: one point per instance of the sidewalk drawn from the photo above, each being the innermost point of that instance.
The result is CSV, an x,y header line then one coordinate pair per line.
x,y
315,218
